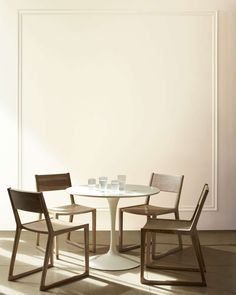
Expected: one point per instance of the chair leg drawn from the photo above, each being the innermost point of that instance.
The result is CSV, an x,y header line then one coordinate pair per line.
x,y
38,235
179,235
149,245
56,242
153,245
69,234
142,256
14,252
153,241
48,253
121,235
199,258
52,254
200,251
94,230
86,248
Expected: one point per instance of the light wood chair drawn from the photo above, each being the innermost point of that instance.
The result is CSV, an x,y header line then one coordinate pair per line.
x,y
55,182
183,227
166,183
34,202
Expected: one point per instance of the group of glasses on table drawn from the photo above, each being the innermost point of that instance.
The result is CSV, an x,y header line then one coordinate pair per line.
x,y
103,184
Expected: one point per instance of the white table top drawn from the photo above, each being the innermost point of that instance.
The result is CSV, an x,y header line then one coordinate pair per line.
x,y
131,190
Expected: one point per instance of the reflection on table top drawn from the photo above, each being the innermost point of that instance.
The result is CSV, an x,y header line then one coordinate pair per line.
x,y
131,190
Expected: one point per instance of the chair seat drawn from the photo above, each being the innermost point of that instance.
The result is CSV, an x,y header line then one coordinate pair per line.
x,y
148,210
168,225
70,209
59,226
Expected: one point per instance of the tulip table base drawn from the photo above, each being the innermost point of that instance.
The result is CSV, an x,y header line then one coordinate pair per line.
x,y
113,261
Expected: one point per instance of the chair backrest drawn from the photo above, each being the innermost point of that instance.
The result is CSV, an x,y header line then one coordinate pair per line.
x,y
52,182
200,204
27,201
167,183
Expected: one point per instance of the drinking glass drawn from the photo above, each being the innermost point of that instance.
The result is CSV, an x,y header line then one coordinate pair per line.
x,y
91,182
115,185
122,181
103,183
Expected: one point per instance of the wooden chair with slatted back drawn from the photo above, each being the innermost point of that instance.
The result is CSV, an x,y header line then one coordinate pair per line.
x,y
34,202
56,182
183,227
166,183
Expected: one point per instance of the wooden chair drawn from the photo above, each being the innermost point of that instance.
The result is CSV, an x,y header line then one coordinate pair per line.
x,y
55,182
34,202
183,227
166,183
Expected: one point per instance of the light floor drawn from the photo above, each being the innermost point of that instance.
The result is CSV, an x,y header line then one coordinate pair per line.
x,y
219,249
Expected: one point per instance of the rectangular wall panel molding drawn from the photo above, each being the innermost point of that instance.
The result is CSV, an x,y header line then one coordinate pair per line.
x,y
130,46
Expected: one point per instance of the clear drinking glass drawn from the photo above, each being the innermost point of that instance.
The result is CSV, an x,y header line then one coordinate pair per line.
x,y
92,182
115,185
103,183
122,181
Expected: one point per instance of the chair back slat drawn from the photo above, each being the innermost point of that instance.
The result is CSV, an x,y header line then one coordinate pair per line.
x,y
26,201
200,204
52,182
167,183
30,202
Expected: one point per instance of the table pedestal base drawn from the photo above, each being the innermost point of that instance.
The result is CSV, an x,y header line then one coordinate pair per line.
x,y
114,261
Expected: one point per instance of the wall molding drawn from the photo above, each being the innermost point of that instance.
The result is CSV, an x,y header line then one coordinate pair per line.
x,y
214,99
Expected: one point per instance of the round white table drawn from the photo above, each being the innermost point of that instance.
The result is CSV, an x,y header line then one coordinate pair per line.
x,y
113,260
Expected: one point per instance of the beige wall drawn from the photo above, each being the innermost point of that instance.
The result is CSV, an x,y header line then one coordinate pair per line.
x,y
103,88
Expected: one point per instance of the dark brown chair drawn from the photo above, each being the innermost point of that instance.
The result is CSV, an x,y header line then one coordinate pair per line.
x,y
183,227
34,202
55,182
166,183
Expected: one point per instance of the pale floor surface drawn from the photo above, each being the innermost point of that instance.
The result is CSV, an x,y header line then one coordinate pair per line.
x,y
219,249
